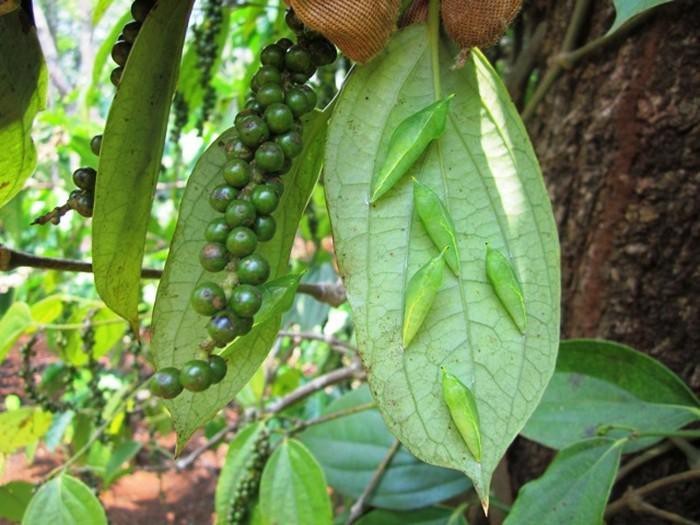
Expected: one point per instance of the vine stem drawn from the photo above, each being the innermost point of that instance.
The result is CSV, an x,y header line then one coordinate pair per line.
x,y
359,506
434,35
304,424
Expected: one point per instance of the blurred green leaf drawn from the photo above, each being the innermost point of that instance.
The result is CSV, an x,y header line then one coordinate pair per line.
x,y
13,324
602,383
48,309
102,56
573,490
64,500
350,449
23,83
99,10
122,454
293,488
14,498
130,158
22,427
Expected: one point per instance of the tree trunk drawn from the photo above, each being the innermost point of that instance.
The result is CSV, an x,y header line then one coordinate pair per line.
x,y
619,142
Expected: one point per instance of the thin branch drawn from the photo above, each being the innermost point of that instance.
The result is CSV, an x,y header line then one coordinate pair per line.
x,y
632,493
333,342
331,293
304,424
573,33
667,516
359,506
643,458
187,461
48,45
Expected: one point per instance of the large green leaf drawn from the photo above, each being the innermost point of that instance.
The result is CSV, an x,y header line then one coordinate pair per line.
x,y
625,10
293,489
351,448
486,173
130,156
64,500
177,329
235,469
603,383
429,516
23,81
573,490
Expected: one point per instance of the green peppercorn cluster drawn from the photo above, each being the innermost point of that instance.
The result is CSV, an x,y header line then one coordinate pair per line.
x,y
266,139
181,113
30,387
82,199
245,493
205,35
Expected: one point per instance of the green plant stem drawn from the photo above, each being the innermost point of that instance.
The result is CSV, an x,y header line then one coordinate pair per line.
x,y
304,424
636,434
77,326
434,35
573,32
358,507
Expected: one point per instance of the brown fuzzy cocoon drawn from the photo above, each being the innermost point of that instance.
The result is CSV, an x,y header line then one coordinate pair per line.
x,y
478,23
360,28
417,12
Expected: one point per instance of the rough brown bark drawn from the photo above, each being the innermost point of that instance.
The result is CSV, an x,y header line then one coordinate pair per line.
x,y
619,142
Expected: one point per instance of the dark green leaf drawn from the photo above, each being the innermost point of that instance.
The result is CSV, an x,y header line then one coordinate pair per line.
x,y
429,516
178,330
235,469
350,449
437,222
421,291
573,490
601,383
23,82
14,498
501,275
64,500
493,190
130,156
408,142
293,488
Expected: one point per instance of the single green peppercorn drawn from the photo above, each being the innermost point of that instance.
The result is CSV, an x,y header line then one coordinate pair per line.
x,y
213,257
240,213
297,59
265,228
277,186
81,201
165,383
269,94
120,52
298,101
265,199
85,178
241,241
243,114
208,298
131,31
221,197
253,131
225,326
237,150
301,78
195,375
96,144
272,55
237,173
218,367
253,269
279,118
217,231
310,95
292,143
255,106
322,51
267,75
269,157
245,300
284,44
116,76
141,8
